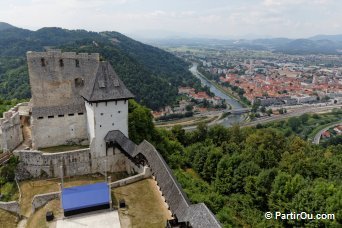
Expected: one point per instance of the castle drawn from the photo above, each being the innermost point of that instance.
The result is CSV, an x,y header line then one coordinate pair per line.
x,y
79,99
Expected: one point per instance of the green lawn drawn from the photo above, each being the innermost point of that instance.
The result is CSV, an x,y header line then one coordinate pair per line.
x,y
63,148
7,219
145,206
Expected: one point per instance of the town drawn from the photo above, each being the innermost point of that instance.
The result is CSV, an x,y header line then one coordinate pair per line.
x,y
272,79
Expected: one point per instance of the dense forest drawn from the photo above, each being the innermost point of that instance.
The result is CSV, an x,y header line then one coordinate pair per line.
x,y
152,74
241,173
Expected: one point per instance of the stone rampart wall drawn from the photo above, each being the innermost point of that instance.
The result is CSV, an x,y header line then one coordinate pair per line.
x,y
129,180
10,129
12,206
42,199
34,164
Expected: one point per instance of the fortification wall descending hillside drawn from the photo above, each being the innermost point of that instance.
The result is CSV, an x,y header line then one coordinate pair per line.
x,y
197,215
10,129
56,78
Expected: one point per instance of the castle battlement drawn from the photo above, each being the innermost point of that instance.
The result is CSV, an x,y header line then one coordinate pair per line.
x,y
57,53
10,117
10,129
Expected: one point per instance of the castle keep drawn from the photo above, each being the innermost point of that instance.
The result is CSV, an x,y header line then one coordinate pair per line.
x,y
78,99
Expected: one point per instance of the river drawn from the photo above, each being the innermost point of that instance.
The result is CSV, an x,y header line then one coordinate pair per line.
x,y
231,119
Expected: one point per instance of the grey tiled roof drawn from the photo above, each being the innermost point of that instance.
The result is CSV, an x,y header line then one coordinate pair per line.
x,y
119,138
106,85
172,191
198,215
58,110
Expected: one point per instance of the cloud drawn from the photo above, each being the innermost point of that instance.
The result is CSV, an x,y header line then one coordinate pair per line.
x,y
293,18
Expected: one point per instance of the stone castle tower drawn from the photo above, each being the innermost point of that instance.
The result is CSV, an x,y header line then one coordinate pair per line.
x,y
76,99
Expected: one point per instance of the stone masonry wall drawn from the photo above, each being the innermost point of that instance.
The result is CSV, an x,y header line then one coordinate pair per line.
x,y
42,199
12,206
129,180
56,78
57,130
34,164
10,129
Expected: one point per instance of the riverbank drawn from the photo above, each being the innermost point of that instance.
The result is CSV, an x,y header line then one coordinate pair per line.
x,y
230,93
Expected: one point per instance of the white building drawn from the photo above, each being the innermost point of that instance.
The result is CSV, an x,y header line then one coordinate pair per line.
x,y
106,102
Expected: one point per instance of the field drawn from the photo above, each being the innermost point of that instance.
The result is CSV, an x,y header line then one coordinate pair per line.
x,y
7,219
63,148
145,207
38,220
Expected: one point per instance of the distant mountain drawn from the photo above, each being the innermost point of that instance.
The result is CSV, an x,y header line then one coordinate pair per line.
x,y
4,25
152,74
306,46
316,45
337,38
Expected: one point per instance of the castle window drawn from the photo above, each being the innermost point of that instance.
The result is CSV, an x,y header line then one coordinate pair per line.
x,y
61,63
71,114
80,113
119,111
101,114
50,117
79,82
100,125
112,124
40,117
60,115
42,60
77,63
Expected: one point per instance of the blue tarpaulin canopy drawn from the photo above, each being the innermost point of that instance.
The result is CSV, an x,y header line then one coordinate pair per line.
x,y
80,198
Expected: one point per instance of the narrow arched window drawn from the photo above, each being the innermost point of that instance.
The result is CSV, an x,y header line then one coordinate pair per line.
x,y
61,63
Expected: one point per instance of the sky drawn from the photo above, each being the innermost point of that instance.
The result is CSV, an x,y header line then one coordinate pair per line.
x,y
224,19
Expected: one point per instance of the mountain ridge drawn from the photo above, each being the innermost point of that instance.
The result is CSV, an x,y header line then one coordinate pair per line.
x,y
4,25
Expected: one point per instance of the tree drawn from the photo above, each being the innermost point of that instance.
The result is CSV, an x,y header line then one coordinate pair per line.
x,y
210,165
218,134
140,122
284,189
319,197
179,134
265,147
294,123
255,105
263,109
304,118
259,187
225,174
189,108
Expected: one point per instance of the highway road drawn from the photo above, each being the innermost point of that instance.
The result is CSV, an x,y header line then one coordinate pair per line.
x,y
318,135
263,120
291,114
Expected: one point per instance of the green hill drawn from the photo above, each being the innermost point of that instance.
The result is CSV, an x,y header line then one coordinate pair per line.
x,y
152,74
4,26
